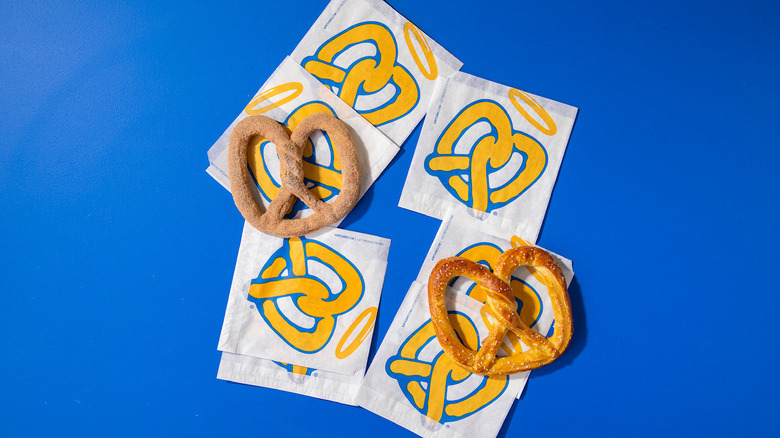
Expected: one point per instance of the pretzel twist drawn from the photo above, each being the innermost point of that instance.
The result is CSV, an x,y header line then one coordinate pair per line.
x,y
502,306
290,148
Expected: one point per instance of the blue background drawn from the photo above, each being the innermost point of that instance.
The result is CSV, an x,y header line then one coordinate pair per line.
x,y
117,249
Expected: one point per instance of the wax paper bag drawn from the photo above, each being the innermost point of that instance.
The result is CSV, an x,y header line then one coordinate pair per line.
x,y
412,383
289,95
341,388
377,61
489,149
309,301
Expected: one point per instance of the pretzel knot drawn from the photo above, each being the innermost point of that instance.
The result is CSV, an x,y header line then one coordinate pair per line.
x,y
503,308
290,148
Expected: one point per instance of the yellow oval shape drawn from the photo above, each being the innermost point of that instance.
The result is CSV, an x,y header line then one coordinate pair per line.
x,y
550,129
295,87
367,318
518,241
409,30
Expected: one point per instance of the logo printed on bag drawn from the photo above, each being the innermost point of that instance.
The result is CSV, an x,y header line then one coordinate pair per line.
x,y
297,370
293,90
438,388
547,127
294,278
374,84
495,168
366,319
321,167
431,72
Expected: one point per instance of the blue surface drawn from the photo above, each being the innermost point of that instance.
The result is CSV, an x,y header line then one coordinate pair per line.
x,y
118,250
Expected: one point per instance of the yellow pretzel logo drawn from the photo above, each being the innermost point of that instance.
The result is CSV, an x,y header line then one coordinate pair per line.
x,y
493,171
288,275
435,386
376,85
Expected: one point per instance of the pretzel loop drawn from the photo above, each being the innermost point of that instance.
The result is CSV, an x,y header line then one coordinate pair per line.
x,y
290,148
546,269
503,308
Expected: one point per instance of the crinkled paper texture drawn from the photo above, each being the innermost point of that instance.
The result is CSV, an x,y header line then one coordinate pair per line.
x,y
310,301
290,93
491,150
341,388
377,61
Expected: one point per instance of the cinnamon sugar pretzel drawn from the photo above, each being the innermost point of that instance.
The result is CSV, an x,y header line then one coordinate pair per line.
x,y
290,148
503,309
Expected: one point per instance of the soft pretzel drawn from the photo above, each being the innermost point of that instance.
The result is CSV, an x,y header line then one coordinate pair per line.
x,y
503,308
290,150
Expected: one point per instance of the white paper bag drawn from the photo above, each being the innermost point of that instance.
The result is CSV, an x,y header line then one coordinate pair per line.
x,y
341,388
287,96
489,149
310,301
377,61
412,383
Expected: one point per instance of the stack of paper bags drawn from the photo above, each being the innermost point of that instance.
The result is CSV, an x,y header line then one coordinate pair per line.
x,y
301,311
413,383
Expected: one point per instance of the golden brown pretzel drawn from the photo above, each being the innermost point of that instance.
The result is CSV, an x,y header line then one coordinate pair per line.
x,y
290,150
503,308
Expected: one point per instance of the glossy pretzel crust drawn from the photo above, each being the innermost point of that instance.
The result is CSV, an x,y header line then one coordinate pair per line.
x,y
503,308
290,151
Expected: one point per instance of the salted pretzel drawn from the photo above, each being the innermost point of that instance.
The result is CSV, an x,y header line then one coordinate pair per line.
x,y
290,148
503,308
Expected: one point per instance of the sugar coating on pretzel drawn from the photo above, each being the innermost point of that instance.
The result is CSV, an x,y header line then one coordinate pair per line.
x,y
289,148
503,309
